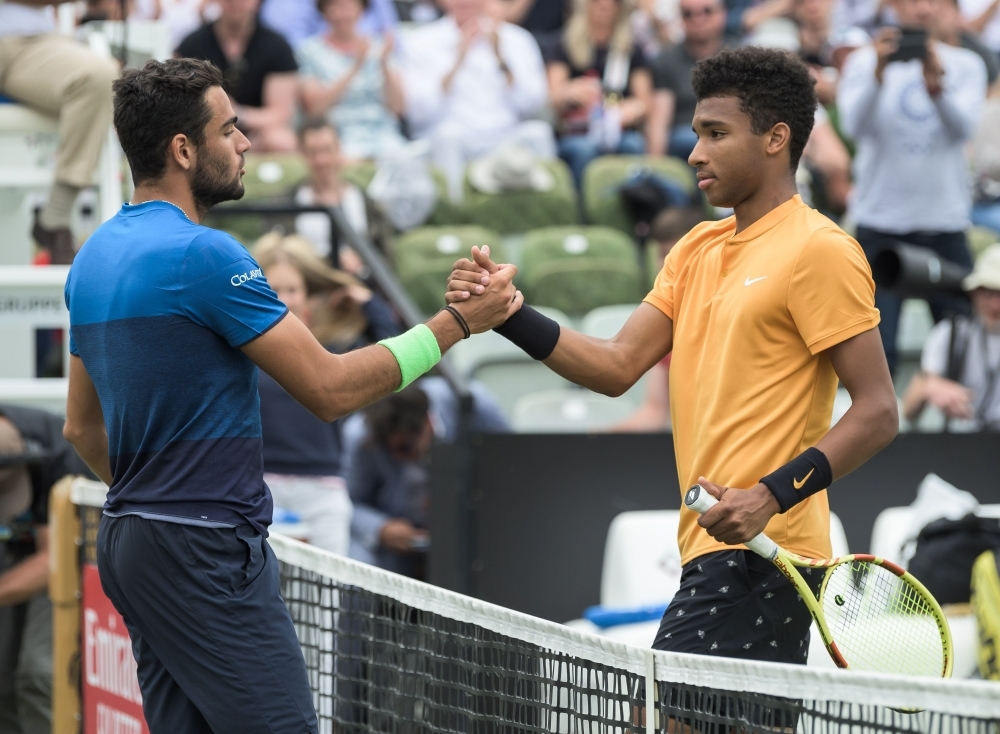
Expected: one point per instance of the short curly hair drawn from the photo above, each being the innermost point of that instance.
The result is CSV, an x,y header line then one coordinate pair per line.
x,y
772,86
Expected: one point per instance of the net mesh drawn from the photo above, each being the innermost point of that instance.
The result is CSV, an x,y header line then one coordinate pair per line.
x,y
880,622
388,654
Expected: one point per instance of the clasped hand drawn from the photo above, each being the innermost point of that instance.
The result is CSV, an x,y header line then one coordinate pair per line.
x,y
499,299
741,514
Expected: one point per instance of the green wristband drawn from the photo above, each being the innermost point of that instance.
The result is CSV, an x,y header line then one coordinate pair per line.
x,y
416,351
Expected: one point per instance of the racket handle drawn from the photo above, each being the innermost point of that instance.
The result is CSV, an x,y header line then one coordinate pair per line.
x,y
698,499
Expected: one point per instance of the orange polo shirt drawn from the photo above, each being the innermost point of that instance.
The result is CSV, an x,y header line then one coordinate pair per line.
x,y
750,385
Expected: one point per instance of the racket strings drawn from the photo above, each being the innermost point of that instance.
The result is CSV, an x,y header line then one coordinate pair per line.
x,y
880,622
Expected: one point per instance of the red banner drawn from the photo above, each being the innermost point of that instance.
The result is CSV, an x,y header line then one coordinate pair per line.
x,y
112,703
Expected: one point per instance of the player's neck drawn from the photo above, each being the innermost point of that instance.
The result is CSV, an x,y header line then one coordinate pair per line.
x,y
162,190
763,201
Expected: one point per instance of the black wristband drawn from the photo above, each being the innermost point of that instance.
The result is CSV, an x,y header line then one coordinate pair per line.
x,y
535,334
803,476
462,323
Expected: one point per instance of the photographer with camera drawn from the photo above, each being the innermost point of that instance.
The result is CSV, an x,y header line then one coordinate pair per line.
x,y
911,102
960,364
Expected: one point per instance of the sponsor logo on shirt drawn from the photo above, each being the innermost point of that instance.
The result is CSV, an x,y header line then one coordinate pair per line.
x,y
242,278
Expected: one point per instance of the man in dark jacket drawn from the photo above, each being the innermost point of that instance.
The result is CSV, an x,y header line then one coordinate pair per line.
x,y
33,457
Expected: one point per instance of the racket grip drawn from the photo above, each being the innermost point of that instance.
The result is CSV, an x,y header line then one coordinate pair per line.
x,y
699,500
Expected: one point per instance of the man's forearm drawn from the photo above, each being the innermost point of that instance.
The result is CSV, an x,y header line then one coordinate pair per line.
x,y
596,364
866,428
92,446
27,579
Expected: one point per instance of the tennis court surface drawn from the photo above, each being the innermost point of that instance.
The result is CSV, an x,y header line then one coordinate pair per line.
x,y
389,654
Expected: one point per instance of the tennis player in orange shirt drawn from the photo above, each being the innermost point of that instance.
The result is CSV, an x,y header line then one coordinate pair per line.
x,y
763,312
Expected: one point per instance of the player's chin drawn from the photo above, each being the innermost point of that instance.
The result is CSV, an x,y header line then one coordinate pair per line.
x,y
719,195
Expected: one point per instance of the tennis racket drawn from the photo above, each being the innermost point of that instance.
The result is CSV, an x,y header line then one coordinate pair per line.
x,y
872,615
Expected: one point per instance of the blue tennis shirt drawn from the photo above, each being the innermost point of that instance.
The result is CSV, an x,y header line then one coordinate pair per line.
x,y
159,308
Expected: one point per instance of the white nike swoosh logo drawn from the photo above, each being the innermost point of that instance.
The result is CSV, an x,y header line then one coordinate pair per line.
x,y
750,282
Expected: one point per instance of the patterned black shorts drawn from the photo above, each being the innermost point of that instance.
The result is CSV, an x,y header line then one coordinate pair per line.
x,y
736,604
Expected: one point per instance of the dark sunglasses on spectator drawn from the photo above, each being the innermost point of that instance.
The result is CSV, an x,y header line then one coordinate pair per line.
x,y
688,14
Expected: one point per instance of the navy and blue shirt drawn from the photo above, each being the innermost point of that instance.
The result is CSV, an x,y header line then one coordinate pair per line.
x,y
159,308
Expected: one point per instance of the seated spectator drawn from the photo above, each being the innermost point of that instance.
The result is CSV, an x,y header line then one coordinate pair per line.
x,y
297,20
302,454
653,415
472,84
36,456
58,76
982,18
911,121
259,70
958,374
349,79
599,85
388,485
326,186
986,163
669,128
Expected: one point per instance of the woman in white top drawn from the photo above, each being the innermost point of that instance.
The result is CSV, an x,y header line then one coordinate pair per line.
x,y
349,79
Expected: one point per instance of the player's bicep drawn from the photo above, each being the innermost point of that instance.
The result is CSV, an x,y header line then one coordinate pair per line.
x,y
861,366
290,354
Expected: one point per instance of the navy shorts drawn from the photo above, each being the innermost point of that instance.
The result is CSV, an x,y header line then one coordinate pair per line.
x,y
214,643
736,604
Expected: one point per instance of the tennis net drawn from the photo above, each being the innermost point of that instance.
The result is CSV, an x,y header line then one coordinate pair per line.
x,y
389,654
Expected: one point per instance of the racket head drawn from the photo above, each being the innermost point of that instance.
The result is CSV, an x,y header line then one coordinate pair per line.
x,y
883,620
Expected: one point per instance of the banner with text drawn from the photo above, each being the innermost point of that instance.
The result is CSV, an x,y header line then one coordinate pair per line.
x,y
112,703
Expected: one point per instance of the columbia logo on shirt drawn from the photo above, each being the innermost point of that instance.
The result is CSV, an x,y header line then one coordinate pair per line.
x,y
244,277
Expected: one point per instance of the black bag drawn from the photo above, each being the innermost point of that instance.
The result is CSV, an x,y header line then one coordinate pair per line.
x,y
946,550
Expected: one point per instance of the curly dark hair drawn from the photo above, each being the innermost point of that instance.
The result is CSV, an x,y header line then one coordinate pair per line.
x,y
772,86
404,411
157,102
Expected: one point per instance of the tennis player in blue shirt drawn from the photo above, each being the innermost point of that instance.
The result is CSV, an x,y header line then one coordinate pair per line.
x,y
169,322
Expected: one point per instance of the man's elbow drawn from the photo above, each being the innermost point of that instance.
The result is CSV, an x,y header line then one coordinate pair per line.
x,y
74,433
886,421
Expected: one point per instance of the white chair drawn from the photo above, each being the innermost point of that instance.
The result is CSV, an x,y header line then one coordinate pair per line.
x,y
642,566
567,410
504,369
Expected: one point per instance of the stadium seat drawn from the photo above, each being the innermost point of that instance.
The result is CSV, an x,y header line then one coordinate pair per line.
x,y
424,258
577,269
568,410
605,175
516,212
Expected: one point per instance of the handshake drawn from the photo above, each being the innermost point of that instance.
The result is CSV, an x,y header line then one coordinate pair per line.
x,y
483,292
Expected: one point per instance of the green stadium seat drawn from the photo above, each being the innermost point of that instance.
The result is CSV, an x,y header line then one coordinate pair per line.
x,y
515,212
568,410
577,269
424,258
603,177
272,175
